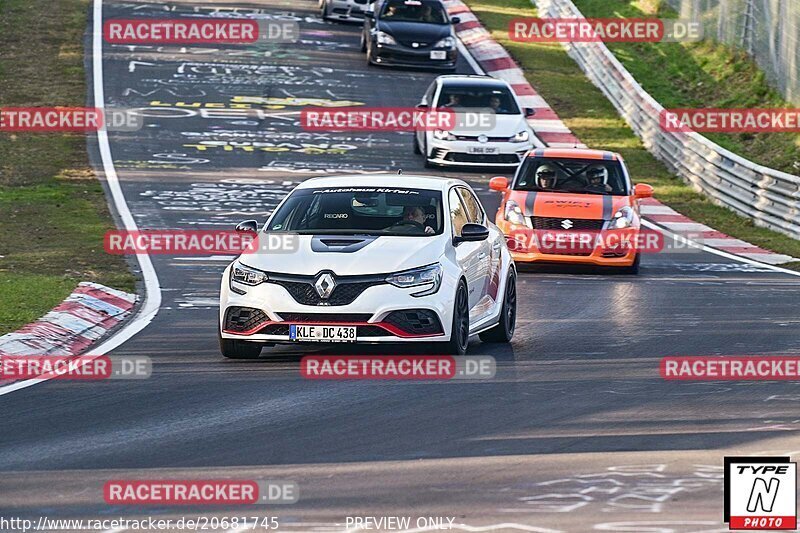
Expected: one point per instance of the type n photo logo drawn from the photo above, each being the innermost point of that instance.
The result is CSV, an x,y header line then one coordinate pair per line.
x,y
760,493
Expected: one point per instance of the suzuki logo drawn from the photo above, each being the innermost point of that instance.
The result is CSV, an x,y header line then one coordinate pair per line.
x,y
325,285
566,223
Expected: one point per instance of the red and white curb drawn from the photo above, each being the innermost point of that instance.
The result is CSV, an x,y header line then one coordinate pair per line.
x,y
665,216
69,329
496,62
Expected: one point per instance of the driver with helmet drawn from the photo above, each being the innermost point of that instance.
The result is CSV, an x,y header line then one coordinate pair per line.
x,y
597,177
546,177
414,216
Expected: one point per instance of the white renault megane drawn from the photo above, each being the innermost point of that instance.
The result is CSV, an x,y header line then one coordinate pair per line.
x,y
394,258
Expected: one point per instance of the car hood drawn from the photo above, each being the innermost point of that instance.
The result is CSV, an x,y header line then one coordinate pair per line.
x,y
504,126
349,255
567,205
420,32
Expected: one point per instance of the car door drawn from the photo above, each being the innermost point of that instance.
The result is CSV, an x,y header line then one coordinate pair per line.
x,y
488,253
468,254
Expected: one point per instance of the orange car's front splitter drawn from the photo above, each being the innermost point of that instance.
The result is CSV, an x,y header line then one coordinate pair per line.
x,y
595,259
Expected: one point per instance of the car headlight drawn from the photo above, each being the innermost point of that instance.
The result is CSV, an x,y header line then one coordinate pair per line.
x,y
521,137
443,135
247,276
427,275
447,42
622,219
513,213
384,38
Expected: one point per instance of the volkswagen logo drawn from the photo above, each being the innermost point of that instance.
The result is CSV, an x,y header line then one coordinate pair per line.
x,y
483,138
324,285
566,223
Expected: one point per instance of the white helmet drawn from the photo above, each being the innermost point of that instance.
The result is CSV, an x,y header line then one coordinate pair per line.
x,y
597,174
546,177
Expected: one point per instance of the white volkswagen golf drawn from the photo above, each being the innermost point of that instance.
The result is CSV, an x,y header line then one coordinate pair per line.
x,y
394,258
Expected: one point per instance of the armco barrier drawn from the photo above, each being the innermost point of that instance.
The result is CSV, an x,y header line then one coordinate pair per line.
x,y
767,196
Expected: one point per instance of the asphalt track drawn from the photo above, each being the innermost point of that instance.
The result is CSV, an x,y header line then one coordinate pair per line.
x,y
577,432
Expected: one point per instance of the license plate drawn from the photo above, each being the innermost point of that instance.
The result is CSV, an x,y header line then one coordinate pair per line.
x,y
481,150
438,54
314,333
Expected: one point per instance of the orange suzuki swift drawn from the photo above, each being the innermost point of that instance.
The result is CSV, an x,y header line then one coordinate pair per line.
x,y
572,206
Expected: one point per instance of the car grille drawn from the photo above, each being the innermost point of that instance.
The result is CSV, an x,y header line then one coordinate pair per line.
x,y
409,44
475,138
415,321
243,318
347,288
332,318
555,223
456,157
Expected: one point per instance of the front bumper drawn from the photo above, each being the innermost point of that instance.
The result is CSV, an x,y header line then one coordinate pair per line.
x,y
525,251
346,10
396,55
457,153
376,313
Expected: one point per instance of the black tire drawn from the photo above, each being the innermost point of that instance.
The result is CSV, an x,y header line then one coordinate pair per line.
x,y
459,334
416,144
504,330
233,349
634,268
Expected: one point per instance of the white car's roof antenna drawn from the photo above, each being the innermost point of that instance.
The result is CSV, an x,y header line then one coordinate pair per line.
x,y
399,171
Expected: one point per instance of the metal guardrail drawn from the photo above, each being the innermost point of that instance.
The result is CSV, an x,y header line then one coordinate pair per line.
x,y
769,197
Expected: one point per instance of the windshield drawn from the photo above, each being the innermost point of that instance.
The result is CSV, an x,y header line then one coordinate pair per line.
x,y
361,210
414,11
583,176
496,99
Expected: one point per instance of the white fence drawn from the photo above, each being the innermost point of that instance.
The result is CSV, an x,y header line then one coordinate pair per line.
x,y
767,196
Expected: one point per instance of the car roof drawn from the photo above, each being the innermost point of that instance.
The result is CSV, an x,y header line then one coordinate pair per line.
x,y
452,79
574,153
410,181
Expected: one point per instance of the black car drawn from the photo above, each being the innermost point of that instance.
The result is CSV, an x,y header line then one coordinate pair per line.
x,y
411,33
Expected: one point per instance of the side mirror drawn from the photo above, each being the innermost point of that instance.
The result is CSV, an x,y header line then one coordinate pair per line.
x,y
529,111
248,226
498,183
422,105
471,233
643,190
455,20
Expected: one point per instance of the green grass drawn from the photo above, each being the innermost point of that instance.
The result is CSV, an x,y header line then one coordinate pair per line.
x,y
596,122
53,213
704,74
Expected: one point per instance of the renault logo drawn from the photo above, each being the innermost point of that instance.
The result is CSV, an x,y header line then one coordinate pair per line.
x,y
566,223
325,285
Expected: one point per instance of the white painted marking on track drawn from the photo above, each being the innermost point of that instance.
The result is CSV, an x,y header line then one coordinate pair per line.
x,y
720,253
152,296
